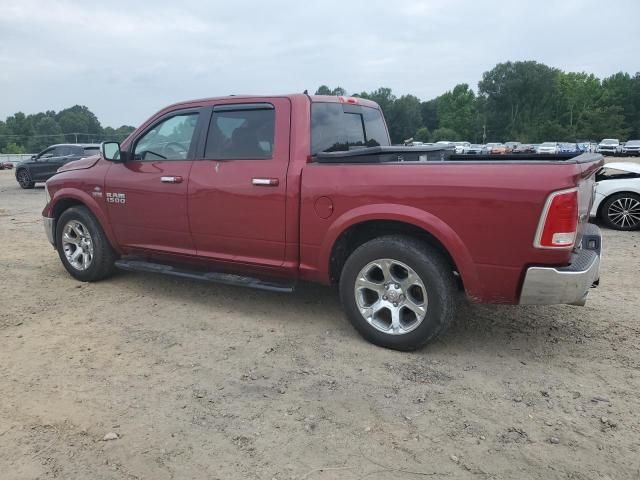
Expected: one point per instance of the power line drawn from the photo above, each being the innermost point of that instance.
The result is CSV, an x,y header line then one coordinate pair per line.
x,y
63,134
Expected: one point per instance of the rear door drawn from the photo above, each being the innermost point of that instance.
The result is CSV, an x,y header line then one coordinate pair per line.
x,y
237,191
147,194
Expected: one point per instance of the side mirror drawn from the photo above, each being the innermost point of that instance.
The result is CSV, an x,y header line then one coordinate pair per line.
x,y
33,157
110,151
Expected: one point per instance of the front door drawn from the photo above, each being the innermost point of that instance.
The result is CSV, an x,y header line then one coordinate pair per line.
x,y
237,192
147,194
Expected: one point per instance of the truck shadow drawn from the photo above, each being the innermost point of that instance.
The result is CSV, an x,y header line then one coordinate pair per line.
x,y
486,328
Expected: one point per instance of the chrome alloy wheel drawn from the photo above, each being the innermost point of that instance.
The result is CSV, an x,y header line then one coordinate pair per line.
x,y
77,245
390,296
625,212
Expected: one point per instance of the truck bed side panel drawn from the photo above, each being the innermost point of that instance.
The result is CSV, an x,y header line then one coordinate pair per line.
x,y
485,215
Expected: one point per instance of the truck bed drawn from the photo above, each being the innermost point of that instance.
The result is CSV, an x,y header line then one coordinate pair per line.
x,y
403,154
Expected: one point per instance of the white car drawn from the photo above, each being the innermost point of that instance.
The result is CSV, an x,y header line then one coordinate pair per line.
x,y
548,147
609,146
617,199
631,148
460,146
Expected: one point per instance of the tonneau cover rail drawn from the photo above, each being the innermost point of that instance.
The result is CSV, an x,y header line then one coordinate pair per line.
x,y
408,154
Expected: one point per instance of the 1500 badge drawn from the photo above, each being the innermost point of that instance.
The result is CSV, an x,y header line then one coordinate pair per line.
x,y
116,198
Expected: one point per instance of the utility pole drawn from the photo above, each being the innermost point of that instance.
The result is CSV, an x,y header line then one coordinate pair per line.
x,y
484,133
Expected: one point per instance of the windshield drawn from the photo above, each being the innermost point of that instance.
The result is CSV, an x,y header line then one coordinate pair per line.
x,y
610,141
633,143
548,144
337,127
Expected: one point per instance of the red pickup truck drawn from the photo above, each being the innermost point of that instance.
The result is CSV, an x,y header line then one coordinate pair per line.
x,y
268,191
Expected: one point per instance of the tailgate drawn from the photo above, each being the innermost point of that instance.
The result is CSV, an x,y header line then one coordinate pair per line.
x,y
586,184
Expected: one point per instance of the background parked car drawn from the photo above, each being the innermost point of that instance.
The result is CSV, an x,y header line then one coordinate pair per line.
x,y
524,148
631,148
460,146
474,149
609,146
511,146
548,147
6,165
496,148
617,199
44,165
569,148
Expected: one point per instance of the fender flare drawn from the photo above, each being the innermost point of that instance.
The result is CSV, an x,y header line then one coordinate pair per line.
x,y
426,221
89,202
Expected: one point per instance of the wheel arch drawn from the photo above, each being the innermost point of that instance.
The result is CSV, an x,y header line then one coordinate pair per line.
x,y
68,198
365,223
610,194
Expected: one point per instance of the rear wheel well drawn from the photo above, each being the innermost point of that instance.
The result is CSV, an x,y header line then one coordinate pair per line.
x,y
361,233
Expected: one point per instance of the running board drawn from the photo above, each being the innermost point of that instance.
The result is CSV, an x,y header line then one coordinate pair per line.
x,y
216,277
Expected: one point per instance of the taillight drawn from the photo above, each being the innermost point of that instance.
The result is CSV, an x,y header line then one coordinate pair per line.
x,y
558,225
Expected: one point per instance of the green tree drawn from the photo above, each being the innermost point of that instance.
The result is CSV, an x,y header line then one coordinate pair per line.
x,y
324,90
422,135
519,97
14,148
429,113
457,110
404,118
580,93
444,134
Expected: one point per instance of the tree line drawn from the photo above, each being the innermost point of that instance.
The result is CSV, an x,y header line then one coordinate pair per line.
x,y
523,101
520,101
22,133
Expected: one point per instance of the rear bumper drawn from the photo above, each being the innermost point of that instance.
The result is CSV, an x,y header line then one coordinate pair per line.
x,y
566,285
49,226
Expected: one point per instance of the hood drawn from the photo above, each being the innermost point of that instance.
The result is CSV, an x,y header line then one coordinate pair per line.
x,y
81,164
630,167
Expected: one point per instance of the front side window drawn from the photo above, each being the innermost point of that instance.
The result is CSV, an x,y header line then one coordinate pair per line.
x,y
241,134
168,140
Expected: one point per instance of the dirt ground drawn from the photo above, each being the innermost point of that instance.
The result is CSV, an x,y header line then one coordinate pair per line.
x,y
199,381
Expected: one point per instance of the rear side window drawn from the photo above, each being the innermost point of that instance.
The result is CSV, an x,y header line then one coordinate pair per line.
x,y
338,127
241,132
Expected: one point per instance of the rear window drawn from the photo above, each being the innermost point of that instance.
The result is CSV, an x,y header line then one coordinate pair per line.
x,y
88,151
338,127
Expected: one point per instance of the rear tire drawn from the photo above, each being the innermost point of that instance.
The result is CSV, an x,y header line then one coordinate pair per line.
x,y
24,179
398,274
613,211
83,246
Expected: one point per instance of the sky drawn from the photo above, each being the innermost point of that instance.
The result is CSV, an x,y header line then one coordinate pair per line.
x,y
127,59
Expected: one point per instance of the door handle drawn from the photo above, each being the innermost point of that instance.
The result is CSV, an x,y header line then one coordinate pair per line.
x,y
171,179
265,182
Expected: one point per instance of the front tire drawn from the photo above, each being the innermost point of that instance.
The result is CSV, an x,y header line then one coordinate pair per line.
x,y
83,246
398,292
621,211
24,179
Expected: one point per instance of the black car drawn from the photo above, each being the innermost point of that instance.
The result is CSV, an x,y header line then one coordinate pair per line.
x,y
44,165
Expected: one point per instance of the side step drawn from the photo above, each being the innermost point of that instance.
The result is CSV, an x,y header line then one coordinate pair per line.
x,y
216,277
